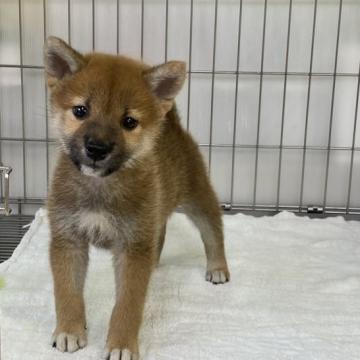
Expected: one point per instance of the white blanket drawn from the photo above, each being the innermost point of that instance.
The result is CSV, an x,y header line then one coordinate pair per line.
x,y
294,294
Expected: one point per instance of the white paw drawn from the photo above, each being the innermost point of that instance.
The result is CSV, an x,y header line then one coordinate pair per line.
x,y
68,342
121,354
217,276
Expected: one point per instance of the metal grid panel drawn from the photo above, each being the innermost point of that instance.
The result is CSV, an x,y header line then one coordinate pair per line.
x,y
261,166
11,232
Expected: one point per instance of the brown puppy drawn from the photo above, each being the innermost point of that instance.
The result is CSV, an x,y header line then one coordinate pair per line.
x,y
125,165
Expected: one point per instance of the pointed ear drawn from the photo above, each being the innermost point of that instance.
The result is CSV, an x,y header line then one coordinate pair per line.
x,y
166,81
60,59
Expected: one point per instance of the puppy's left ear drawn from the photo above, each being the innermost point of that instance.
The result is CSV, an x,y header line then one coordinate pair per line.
x,y
166,81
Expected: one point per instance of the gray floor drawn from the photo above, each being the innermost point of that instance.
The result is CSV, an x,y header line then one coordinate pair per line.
x,y
11,232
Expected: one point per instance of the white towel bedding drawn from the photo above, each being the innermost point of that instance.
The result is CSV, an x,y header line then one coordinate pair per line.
x,y
294,294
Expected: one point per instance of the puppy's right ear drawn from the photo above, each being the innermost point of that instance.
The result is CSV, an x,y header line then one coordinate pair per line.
x,y
60,59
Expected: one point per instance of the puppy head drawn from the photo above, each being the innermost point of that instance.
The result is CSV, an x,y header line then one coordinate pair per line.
x,y
108,110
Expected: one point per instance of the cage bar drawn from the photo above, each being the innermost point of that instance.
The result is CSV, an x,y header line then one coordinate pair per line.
x,y
142,28
259,103
213,83
189,65
46,110
22,99
308,106
235,106
332,104
353,143
284,104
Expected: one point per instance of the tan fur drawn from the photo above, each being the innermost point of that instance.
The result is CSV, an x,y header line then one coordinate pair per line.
x,y
127,210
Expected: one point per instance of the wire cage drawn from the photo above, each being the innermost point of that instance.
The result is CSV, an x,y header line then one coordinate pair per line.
x,y
271,95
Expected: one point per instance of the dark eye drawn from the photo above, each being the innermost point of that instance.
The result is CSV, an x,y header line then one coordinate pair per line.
x,y
80,111
129,123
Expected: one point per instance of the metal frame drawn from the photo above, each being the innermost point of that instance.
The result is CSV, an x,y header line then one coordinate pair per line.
x,y
5,182
300,206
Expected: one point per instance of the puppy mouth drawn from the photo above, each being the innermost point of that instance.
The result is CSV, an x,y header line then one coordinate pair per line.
x,y
90,167
94,170
99,169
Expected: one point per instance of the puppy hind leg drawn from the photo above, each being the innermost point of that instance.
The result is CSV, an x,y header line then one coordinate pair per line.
x,y
205,213
161,242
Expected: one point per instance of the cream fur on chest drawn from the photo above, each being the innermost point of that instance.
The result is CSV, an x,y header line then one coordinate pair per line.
x,y
97,223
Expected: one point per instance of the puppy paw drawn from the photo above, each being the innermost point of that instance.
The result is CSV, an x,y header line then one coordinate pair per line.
x,y
66,342
218,276
121,354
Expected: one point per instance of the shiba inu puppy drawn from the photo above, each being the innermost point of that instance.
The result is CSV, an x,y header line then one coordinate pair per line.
x,y
125,165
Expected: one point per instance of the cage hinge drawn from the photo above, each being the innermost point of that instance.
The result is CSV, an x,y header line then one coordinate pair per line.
x,y
226,207
5,182
315,209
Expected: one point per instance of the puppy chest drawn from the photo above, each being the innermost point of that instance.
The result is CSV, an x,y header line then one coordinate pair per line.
x,y
100,227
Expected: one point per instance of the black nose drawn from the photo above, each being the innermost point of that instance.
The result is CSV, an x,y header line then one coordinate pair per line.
x,y
97,150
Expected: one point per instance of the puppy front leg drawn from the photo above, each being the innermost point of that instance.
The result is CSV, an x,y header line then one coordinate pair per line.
x,y
69,264
132,273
